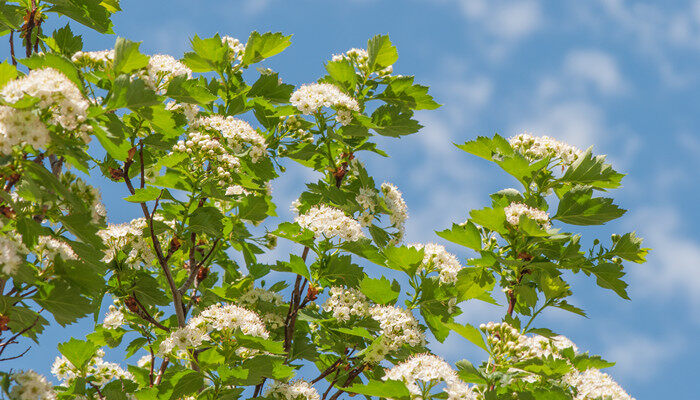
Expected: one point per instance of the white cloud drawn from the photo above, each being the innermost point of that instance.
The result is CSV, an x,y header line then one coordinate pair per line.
x,y
510,19
673,264
595,67
639,358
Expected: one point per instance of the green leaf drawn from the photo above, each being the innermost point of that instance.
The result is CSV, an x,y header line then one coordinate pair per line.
x,y
380,291
491,218
468,373
209,54
343,73
66,42
127,57
78,352
161,120
486,148
470,333
110,133
11,16
191,91
403,92
64,304
365,249
187,383
148,193
292,231
381,53
260,47
207,220
463,234
391,120
8,72
629,247
404,258
254,342
296,265
388,389
270,87
340,270
578,207
592,171
609,275
91,13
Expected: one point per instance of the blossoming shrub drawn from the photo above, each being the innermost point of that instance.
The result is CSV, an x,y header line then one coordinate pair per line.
x,y
194,145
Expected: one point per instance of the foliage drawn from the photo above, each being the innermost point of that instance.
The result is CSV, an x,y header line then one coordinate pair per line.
x,y
195,145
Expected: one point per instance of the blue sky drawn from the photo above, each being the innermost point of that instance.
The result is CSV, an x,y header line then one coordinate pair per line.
x,y
620,75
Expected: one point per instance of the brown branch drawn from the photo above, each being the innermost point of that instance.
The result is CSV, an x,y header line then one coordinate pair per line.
x,y
351,377
146,316
328,370
99,393
12,47
11,340
161,371
177,298
195,271
143,174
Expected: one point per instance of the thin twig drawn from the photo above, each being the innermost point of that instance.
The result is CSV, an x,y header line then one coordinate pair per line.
x,y
12,47
161,371
146,316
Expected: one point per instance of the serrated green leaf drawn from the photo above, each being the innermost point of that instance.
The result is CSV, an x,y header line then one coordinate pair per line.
x,y
629,247
381,53
127,57
343,73
578,207
402,91
592,171
207,220
148,193
260,47
379,291
388,389
470,333
191,91
65,304
91,13
463,234
78,352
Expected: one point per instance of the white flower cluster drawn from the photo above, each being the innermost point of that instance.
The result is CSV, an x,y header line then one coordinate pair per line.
x,y
48,248
429,369
19,128
31,386
398,211
93,57
345,303
99,370
398,327
114,318
238,134
12,252
216,318
515,210
265,303
330,222
161,69
207,149
309,99
91,196
237,48
592,384
437,258
297,390
129,237
539,147
55,93
360,58
190,111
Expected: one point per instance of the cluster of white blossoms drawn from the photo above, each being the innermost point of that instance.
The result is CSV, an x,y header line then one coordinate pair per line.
x,y
309,99
91,197
398,327
398,211
223,319
236,190
129,236
330,222
87,58
296,390
114,318
206,149
539,147
345,303
265,302
161,69
12,252
239,134
515,210
48,248
430,369
237,48
56,94
360,58
19,128
99,370
437,258
31,386
190,111
593,384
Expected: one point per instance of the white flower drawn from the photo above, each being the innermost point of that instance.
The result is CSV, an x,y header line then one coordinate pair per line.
x,y
330,222
398,211
398,326
259,299
31,386
538,147
19,128
114,318
237,48
12,252
309,99
297,390
515,210
344,303
93,57
161,69
436,258
593,384
99,370
238,134
190,111
428,368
